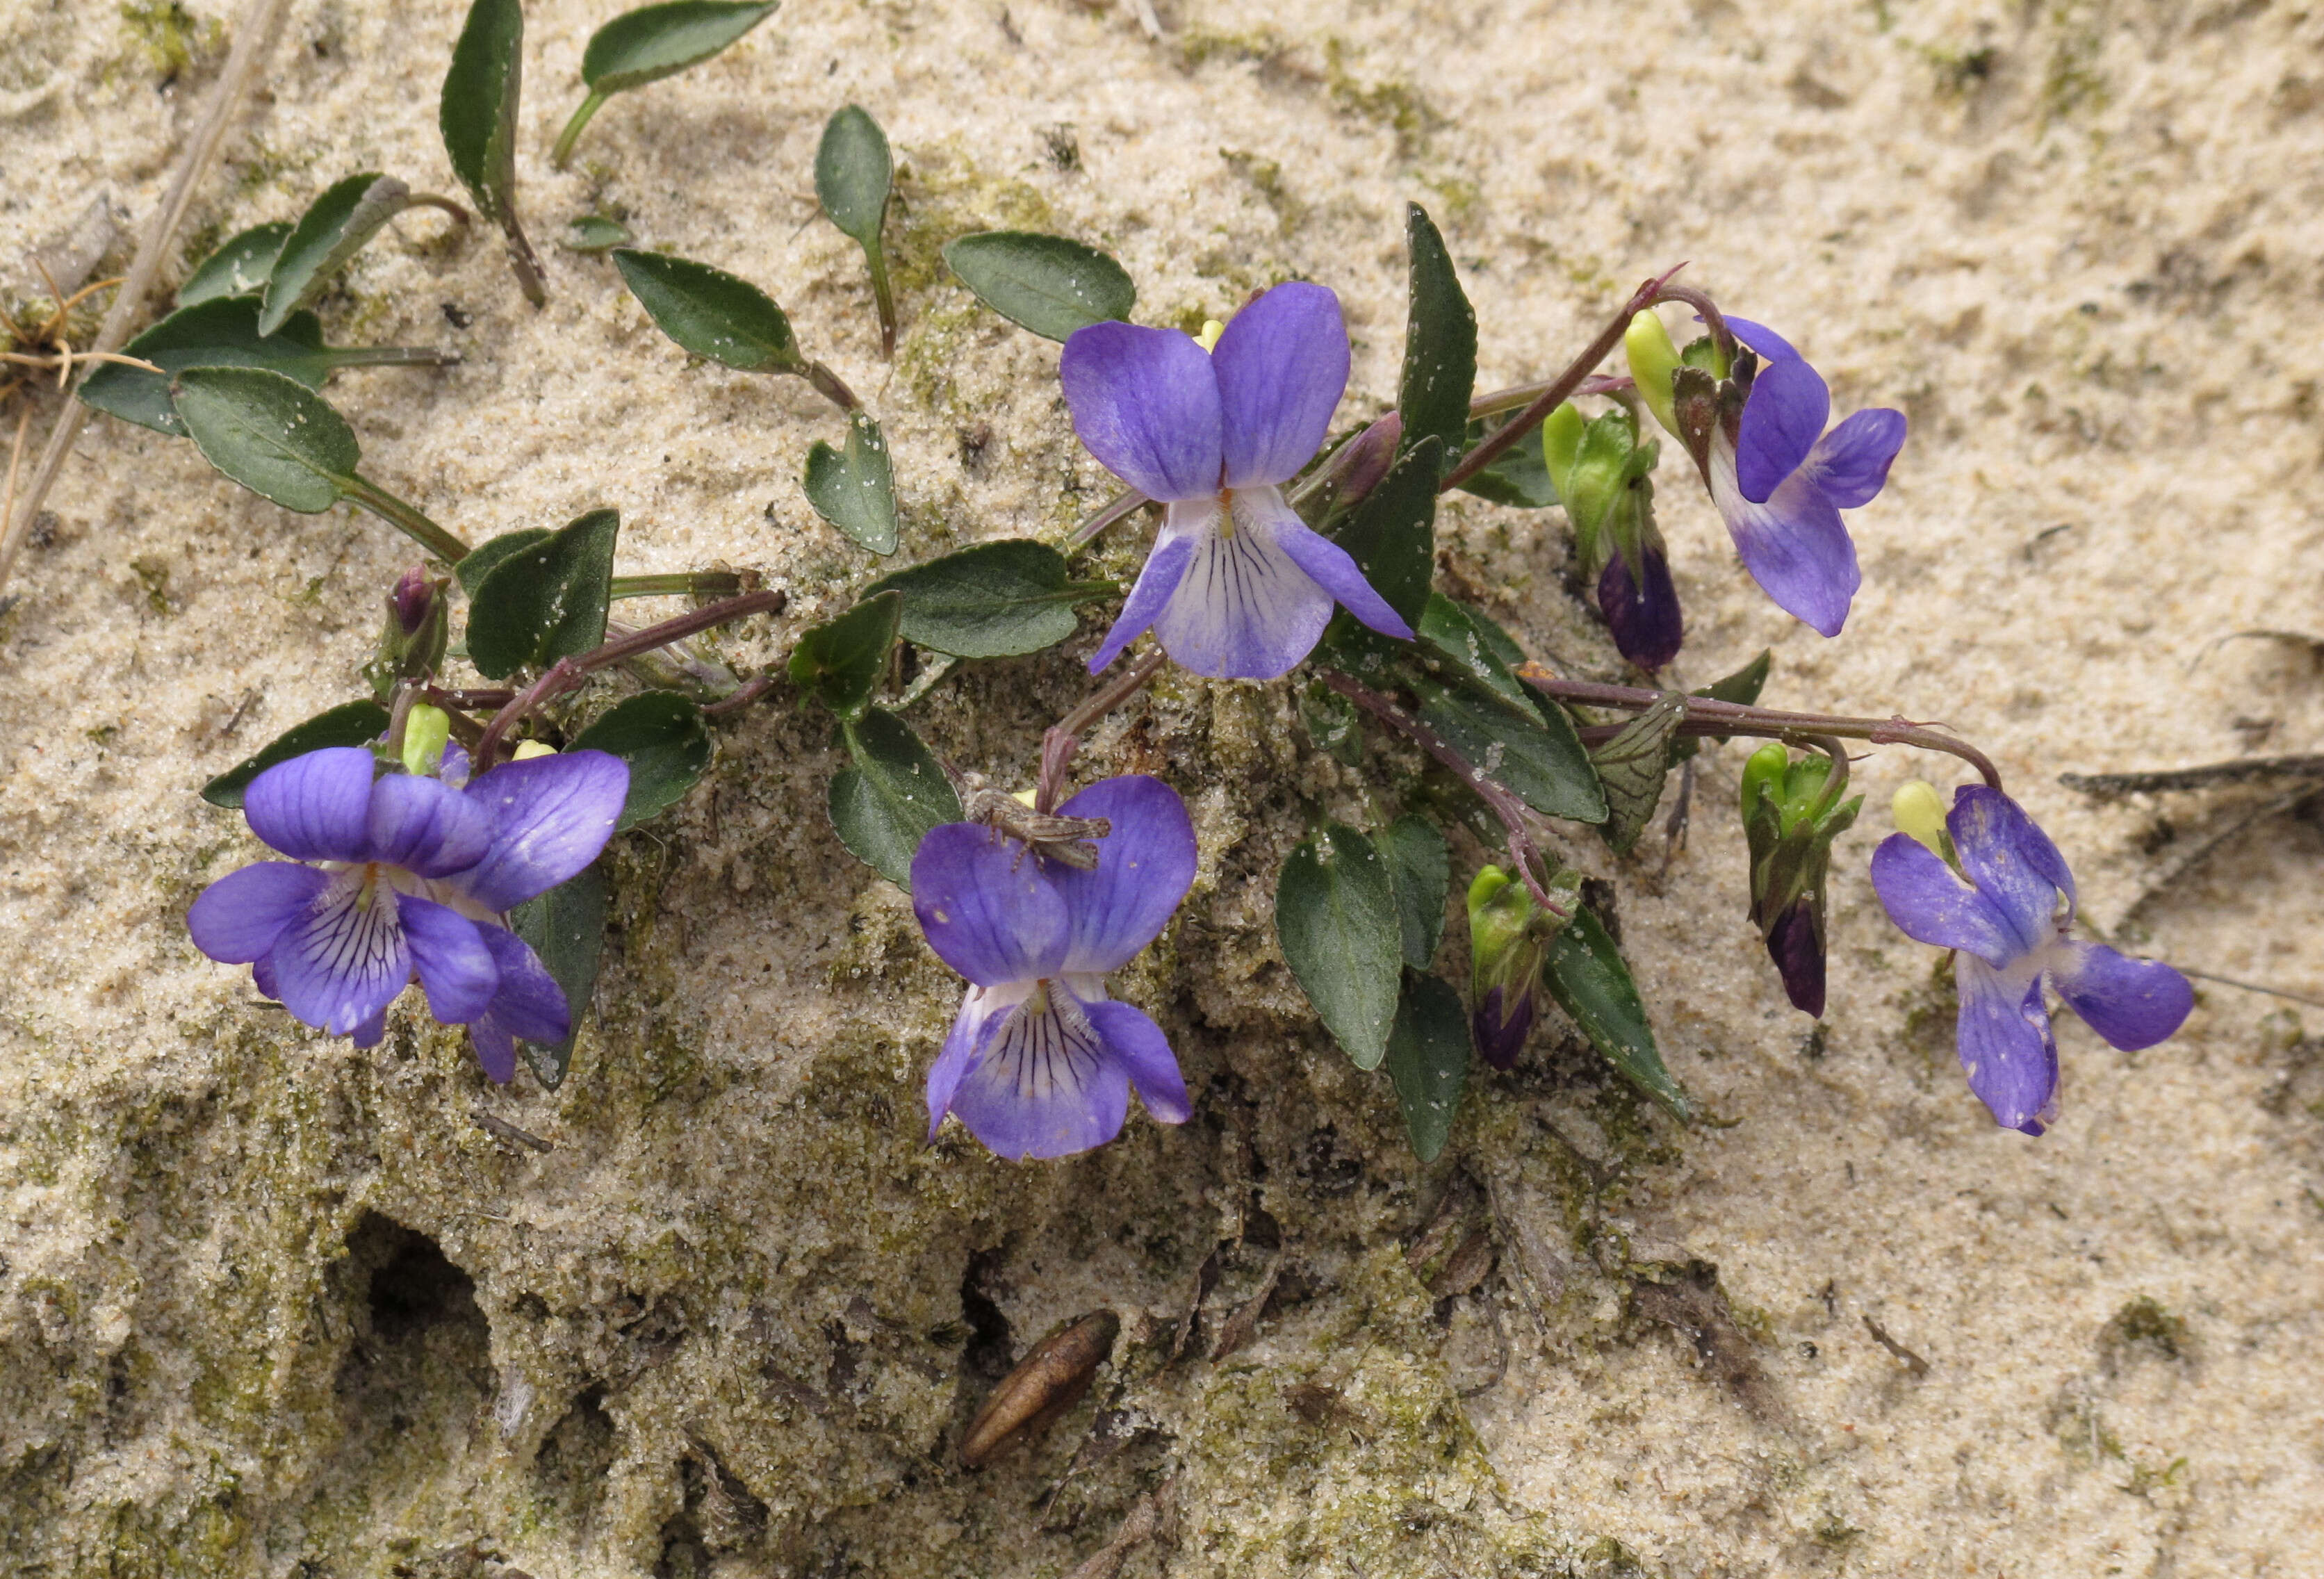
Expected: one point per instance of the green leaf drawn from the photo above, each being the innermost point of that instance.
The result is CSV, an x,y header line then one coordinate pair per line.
x,y
1743,687
1335,916
1519,475
854,173
710,312
1392,534
566,928
594,233
1632,766
854,489
1439,342
486,555
1428,1060
477,114
332,230
1476,646
1539,763
663,737
219,332
546,601
655,41
840,664
995,600
348,724
239,267
1588,978
1045,283
270,433
1420,871
893,794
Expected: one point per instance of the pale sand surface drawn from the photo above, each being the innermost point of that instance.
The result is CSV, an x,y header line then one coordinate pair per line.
x,y
722,1328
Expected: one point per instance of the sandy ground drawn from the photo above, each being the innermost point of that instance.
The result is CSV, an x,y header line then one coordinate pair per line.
x,y
268,1305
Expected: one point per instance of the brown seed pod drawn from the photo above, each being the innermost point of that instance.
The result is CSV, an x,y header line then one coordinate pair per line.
x,y
1047,1382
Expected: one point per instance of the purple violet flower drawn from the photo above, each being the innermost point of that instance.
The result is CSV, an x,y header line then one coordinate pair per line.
x,y
394,875
2010,921
1780,481
1040,1061
1237,587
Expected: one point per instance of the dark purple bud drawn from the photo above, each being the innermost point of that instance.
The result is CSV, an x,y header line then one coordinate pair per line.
x,y
1795,942
413,600
1647,625
1500,1037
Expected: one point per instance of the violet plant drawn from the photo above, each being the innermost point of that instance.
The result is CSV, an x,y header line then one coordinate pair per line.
x,y
451,828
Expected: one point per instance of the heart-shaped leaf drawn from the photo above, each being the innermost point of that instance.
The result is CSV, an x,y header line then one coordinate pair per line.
x,y
1632,766
1420,871
477,114
1540,761
1335,917
270,433
566,926
1046,283
332,230
710,312
1428,1061
1439,342
595,233
854,176
995,600
221,331
655,41
895,791
1590,980
665,740
546,601
348,724
854,489
239,267
479,564
651,43
841,663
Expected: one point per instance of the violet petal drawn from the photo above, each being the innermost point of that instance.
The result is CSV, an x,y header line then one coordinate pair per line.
x,y
1144,867
344,960
1137,1046
1165,566
2006,1047
456,969
1782,420
986,906
1929,903
238,917
551,818
316,806
1851,462
1145,403
2133,1004
1282,365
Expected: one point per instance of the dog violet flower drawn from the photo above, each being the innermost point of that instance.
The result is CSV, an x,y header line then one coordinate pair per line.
x,y
1040,1062
1991,886
1779,480
401,874
1237,586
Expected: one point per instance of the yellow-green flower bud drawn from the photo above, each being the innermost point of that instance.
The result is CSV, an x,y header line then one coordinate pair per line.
x,y
1560,445
425,730
1653,361
1921,812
